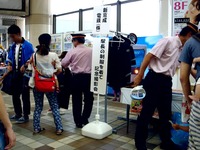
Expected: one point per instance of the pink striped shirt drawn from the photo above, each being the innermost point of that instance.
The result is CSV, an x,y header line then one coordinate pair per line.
x,y
167,52
79,59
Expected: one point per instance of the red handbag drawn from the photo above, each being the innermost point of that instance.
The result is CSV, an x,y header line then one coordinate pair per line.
x,y
42,83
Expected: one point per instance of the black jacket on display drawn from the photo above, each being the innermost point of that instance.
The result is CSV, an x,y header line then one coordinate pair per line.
x,y
120,59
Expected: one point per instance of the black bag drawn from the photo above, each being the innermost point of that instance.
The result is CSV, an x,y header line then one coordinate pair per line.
x,y
63,96
7,84
2,137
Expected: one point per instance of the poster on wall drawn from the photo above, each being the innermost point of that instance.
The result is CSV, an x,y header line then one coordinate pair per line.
x,y
99,65
67,42
56,43
183,11
101,20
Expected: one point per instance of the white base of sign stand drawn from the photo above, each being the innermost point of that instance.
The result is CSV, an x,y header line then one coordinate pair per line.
x,y
97,130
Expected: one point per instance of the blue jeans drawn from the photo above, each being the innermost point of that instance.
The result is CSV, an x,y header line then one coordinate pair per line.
x,y
39,99
2,137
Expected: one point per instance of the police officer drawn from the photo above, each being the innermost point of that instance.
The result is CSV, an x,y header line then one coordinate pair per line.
x,y
79,59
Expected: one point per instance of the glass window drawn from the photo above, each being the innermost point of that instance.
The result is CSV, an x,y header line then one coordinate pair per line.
x,y
67,23
113,18
88,19
64,6
140,18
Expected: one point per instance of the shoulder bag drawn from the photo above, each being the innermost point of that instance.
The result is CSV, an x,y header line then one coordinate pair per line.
x,y
42,83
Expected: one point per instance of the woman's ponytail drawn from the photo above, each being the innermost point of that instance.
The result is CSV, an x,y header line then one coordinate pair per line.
x,y
44,50
44,47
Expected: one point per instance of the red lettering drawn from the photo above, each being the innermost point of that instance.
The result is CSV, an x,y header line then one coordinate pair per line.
x,y
184,4
180,5
177,5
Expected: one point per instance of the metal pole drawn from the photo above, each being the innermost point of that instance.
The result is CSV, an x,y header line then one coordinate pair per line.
x,y
80,19
106,106
54,24
118,15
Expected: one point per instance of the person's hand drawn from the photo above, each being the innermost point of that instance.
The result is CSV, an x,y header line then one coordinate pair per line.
x,y
9,68
137,80
194,98
10,138
176,126
22,69
54,63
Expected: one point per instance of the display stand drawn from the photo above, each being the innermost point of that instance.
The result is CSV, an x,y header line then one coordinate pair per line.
x,y
97,129
61,42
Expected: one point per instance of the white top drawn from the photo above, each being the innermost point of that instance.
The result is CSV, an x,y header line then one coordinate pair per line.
x,y
44,64
17,54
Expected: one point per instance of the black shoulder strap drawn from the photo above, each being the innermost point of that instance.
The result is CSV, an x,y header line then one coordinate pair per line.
x,y
196,37
35,62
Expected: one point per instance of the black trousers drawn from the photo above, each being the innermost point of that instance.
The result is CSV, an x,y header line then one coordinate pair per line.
x,y
80,87
20,87
158,89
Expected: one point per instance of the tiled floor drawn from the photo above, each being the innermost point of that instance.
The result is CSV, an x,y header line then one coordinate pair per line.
x,y
72,138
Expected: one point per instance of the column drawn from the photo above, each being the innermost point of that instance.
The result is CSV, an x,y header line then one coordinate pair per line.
x,y
165,25
39,20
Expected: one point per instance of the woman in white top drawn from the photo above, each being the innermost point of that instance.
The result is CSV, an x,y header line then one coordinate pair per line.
x,y
44,60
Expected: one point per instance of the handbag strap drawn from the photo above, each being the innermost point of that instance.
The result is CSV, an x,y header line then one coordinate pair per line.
x,y
35,66
35,63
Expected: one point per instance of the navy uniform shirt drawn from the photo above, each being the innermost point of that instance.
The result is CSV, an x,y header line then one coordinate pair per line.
x,y
190,51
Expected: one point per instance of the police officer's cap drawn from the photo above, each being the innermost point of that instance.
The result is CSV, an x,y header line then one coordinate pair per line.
x,y
78,36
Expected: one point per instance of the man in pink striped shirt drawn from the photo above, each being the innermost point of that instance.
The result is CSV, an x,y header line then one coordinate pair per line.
x,y
162,62
79,59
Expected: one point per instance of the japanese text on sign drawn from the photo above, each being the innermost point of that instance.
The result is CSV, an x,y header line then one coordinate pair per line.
x,y
99,65
101,20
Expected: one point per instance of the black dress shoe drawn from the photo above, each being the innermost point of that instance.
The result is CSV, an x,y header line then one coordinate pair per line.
x,y
140,146
85,123
79,125
169,146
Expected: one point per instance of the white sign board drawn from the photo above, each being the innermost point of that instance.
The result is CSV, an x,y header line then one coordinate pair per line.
x,y
101,20
99,65
183,11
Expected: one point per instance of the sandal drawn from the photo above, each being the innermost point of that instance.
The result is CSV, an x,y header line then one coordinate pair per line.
x,y
59,132
38,131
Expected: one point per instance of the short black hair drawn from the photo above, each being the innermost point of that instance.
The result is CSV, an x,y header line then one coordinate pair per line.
x,y
187,30
80,40
14,29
